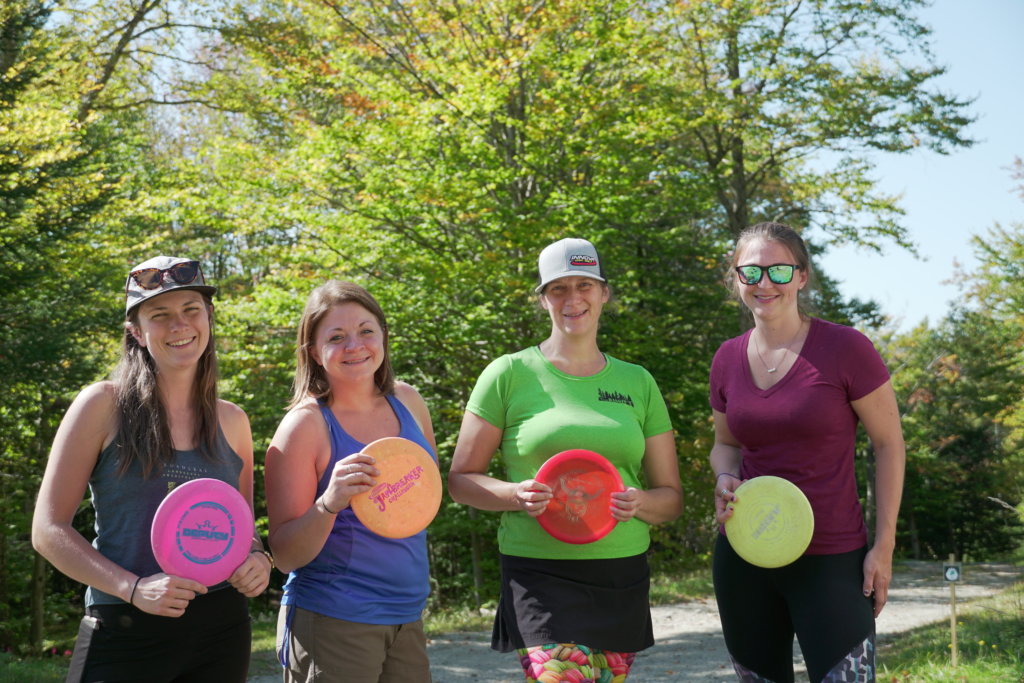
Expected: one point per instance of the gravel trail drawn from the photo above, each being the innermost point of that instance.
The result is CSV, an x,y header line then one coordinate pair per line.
x,y
689,645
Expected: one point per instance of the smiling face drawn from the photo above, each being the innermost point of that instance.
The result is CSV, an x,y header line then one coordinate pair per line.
x,y
768,300
574,303
348,343
174,328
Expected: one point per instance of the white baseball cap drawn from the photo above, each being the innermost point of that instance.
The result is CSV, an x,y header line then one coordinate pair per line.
x,y
569,256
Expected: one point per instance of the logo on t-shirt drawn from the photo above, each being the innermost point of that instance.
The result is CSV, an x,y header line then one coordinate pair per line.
x,y
614,397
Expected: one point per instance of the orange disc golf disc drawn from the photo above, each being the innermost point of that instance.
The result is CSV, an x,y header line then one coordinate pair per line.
x,y
408,491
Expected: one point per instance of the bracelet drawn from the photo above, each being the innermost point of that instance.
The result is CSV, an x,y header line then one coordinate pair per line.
x,y
720,474
266,554
324,506
132,596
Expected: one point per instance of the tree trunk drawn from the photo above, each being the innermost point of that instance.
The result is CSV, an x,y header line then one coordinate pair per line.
x,y
740,214
46,429
475,556
915,539
35,628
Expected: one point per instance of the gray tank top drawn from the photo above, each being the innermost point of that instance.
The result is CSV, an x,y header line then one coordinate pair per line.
x,y
125,504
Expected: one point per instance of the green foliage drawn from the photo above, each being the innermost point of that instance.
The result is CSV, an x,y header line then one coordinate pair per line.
x,y
428,150
789,98
435,180
58,174
53,669
961,389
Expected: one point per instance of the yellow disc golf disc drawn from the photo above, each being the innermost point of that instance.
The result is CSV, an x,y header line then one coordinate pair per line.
x,y
772,522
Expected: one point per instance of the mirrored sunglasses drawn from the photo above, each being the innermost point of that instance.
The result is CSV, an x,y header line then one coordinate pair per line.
x,y
779,273
151,278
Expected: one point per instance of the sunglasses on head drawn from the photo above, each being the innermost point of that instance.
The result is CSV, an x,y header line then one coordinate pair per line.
x,y
151,278
779,273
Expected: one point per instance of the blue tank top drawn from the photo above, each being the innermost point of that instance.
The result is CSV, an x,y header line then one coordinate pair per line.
x,y
358,575
125,504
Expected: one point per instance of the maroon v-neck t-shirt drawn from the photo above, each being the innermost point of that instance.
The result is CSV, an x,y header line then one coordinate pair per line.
x,y
803,428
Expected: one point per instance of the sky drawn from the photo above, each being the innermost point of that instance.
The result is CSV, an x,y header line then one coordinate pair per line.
x,y
949,198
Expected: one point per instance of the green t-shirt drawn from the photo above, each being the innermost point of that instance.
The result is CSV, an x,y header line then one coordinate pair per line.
x,y
543,411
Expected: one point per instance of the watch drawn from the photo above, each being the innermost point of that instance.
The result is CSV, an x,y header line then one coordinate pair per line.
x,y
270,558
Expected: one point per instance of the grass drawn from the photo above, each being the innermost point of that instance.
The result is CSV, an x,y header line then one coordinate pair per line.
x,y
671,587
990,639
32,669
263,661
436,622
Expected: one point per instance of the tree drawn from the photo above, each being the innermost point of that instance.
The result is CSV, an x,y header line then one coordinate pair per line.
x,y
792,98
64,168
961,387
431,149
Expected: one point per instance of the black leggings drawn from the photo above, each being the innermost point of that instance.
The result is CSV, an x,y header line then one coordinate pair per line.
x,y
209,643
819,598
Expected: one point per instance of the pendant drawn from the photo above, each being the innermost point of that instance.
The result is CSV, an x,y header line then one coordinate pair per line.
x,y
772,369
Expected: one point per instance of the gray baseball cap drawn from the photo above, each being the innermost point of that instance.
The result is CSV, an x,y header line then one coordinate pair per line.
x,y
162,274
569,256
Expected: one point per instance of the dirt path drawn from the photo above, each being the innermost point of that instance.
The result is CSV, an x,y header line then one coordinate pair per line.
x,y
689,641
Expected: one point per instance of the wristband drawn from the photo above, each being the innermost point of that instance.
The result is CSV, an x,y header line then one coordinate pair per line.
x,y
132,596
721,474
324,506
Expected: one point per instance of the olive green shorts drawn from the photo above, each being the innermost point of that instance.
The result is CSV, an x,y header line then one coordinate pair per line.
x,y
314,647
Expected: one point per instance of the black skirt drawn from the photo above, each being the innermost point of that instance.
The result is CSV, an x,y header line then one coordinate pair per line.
x,y
602,604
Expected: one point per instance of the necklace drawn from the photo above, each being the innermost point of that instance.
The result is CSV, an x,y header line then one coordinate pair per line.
x,y
785,350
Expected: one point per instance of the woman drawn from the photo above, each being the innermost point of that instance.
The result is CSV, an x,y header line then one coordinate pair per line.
x,y
786,397
158,423
584,604
353,600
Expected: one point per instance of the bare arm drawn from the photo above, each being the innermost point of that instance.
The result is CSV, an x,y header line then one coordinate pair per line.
x,y
880,414
299,522
88,425
469,483
726,458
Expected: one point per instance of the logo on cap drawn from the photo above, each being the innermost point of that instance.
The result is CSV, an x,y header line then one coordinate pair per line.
x,y
582,260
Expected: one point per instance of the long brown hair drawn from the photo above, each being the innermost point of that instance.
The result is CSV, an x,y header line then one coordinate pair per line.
x,y
144,434
310,378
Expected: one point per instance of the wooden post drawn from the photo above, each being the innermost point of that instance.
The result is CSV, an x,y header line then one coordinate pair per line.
x,y
952,614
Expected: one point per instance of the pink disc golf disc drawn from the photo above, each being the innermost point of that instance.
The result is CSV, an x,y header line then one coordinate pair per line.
x,y
203,531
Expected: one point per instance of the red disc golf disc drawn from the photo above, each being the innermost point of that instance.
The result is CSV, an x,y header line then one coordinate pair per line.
x,y
582,483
